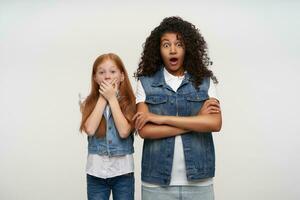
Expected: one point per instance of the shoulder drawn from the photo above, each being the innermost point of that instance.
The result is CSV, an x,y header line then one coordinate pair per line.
x,y
212,89
154,76
140,95
147,80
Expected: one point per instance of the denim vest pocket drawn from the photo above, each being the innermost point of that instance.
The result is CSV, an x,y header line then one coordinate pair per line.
x,y
157,103
195,101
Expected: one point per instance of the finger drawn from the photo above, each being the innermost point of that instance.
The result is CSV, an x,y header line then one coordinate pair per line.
x,y
115,84
105,83
102,85
214,99
114,81
214,111
140,120
137,125
133,118
212,107
143,124
213,103
136,115
102,93
137,121
102,88
206,103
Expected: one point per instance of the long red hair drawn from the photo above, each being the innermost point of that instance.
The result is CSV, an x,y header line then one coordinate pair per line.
x,y
126,95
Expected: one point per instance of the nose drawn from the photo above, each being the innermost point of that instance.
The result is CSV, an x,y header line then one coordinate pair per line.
x,y
173,49
107,76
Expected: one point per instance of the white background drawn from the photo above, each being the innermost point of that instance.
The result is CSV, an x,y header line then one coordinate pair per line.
x,y
47,49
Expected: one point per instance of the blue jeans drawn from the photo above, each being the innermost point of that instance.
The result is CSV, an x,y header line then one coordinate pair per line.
x,y
178,193
122,187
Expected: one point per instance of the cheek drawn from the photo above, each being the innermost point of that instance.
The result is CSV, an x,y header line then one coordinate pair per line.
x,y
182,55
164,57
163,54
98,79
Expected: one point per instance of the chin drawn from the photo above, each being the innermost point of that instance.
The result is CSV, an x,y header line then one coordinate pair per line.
x,y
174,68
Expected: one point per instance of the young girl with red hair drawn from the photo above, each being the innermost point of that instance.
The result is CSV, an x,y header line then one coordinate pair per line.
x,y
107,120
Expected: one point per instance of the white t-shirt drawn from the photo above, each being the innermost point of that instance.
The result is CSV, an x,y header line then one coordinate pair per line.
x,y
178,174
107,167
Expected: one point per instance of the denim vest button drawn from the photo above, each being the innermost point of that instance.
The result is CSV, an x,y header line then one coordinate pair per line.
x,y
184,102
112,142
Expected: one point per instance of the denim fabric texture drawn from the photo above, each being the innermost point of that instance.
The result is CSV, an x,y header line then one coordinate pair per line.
x,y
178,193
112,144
199,153
122,187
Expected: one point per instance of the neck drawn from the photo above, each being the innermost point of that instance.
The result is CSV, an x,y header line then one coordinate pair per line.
x,y
179,72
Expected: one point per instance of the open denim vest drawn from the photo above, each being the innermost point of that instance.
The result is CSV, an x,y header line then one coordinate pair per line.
x,y
112,144
198,148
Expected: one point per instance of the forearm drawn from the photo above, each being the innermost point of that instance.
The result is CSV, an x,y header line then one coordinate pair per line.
x,y
153,131
199,123
93,121
123,126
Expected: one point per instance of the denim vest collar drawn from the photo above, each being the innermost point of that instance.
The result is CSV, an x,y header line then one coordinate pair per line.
x,y
159,79
198,148
111,144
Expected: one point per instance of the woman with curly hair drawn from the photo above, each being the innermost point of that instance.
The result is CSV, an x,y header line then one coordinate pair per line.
x,y
177,110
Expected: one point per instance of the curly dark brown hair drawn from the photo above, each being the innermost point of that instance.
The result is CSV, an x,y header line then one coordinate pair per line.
x,y
196,59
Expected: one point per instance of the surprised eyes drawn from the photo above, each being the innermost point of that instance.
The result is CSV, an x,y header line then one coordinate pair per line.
x,y
167,45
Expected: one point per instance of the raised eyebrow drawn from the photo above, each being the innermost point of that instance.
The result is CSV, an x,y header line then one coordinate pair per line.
x,y
164,40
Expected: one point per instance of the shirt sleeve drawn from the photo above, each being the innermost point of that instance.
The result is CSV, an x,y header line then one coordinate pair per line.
x,y
212,91
140,93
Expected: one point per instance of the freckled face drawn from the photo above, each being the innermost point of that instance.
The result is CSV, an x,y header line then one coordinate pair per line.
x,y
172,52
108,70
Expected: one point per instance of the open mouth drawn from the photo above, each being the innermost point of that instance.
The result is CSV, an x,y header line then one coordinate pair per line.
x,y
173,59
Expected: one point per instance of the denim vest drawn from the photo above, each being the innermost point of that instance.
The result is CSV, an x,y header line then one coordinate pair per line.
x,y
112,144
198,148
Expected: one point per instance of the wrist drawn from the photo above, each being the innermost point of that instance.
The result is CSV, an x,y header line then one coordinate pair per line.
x,y
102,98
112,99
157,119
162,119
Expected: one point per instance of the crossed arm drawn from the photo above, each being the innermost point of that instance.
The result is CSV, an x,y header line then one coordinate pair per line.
x,y
154,126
